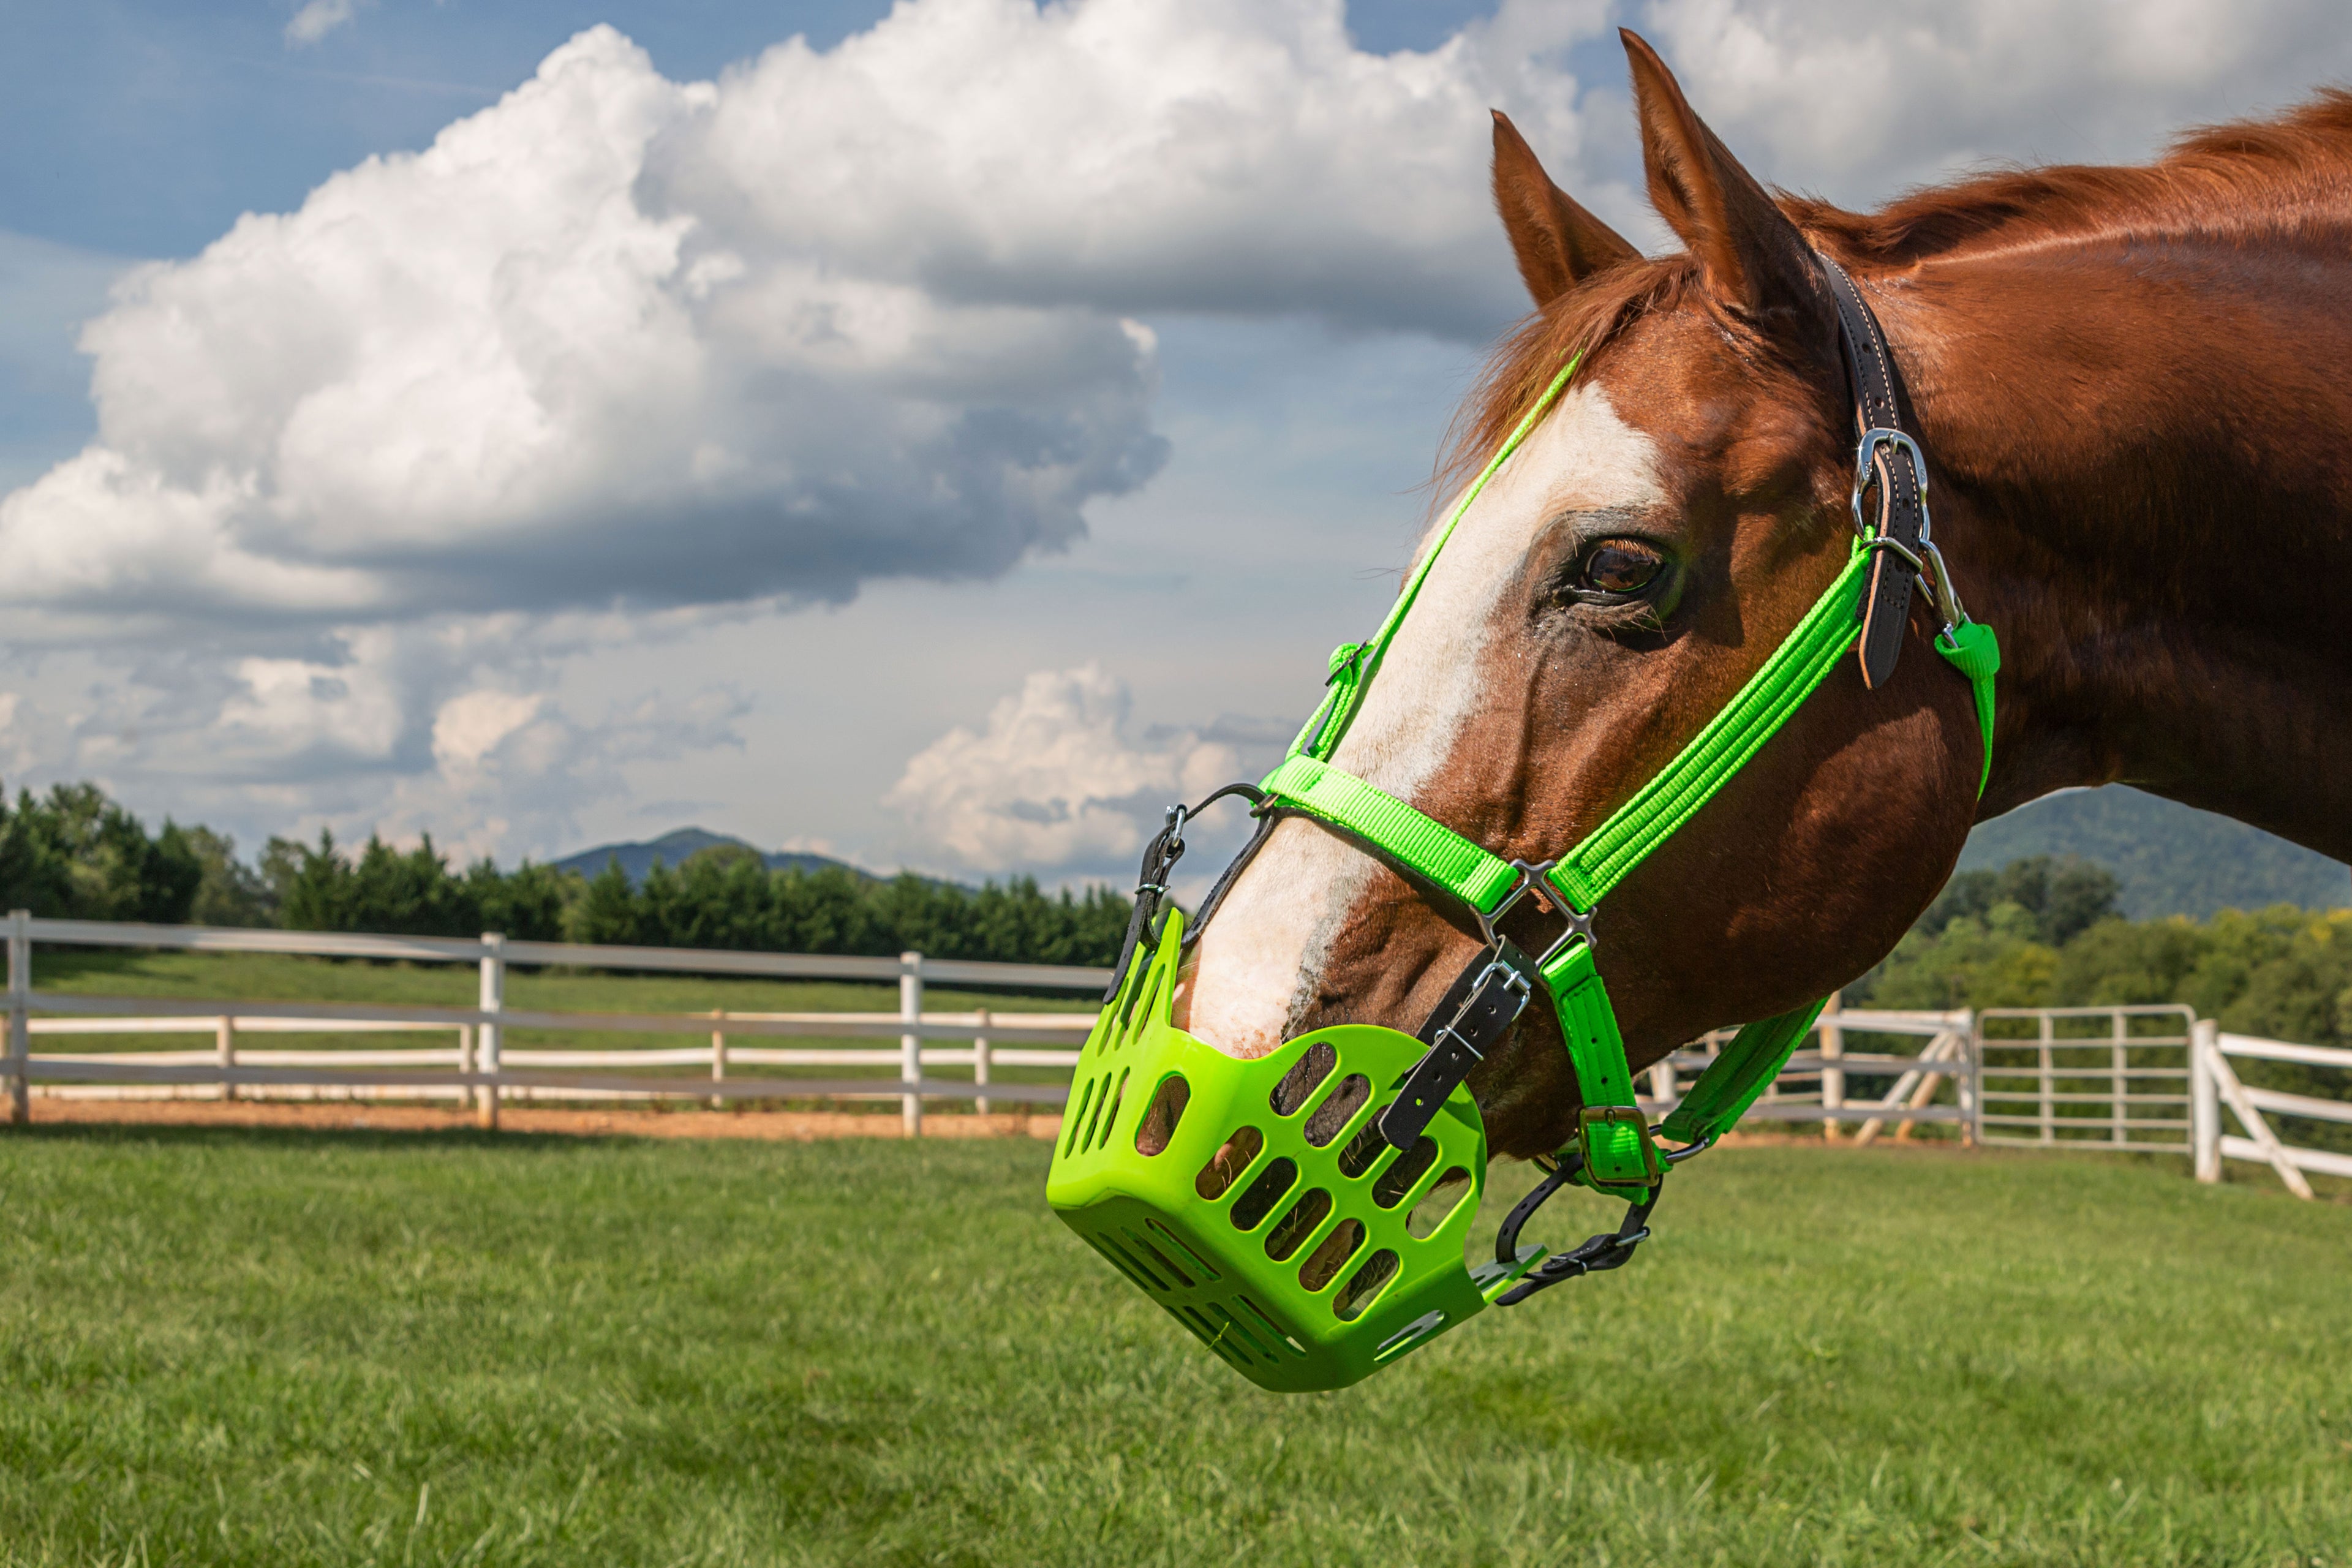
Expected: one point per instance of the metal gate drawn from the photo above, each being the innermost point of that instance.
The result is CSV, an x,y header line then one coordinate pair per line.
x,y
2106,1078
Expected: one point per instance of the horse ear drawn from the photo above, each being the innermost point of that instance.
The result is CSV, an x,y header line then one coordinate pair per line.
x,y
1753,257
1558,243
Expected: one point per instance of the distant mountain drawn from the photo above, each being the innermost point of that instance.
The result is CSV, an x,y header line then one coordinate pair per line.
x,y
672,848
2172,859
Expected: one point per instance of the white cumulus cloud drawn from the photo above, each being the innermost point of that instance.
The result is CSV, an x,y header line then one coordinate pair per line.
x,y
836,316
495,375
1861,97
1054,779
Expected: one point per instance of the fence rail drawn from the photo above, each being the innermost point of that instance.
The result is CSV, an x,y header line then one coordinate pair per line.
x,y
2217,1086
484,1069
2135,1079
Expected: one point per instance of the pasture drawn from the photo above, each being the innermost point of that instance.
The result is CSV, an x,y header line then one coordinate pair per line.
x,y
224,1346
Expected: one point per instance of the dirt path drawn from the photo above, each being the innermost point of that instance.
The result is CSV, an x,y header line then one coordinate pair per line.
x,y
793,1126
789,1125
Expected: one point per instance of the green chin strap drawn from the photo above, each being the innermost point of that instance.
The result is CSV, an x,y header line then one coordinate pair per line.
x,y
1617,1152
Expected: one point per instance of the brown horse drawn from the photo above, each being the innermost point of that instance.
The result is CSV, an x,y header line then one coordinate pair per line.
x,y
2133,388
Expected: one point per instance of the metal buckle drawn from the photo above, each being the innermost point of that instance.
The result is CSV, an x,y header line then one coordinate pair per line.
x,y
1652,1165
1865,453
1171,849
1533,879
1514,980
1926,560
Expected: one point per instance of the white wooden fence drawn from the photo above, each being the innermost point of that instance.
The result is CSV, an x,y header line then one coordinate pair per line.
x,y
2215,1085
2130,1079
1819,1084
480,1065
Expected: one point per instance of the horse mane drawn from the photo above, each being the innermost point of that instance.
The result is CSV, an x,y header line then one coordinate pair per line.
x,y
2249,176
2227,180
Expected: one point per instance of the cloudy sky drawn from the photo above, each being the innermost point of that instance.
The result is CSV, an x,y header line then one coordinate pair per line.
x,y
939,434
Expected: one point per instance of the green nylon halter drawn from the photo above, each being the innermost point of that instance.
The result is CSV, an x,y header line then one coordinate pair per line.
x,y
1618,1154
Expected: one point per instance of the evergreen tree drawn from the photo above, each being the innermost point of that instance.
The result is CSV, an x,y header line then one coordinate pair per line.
x,y
77,855
607,911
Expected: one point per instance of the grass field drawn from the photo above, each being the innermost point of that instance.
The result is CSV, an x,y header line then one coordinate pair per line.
x,y
242,1347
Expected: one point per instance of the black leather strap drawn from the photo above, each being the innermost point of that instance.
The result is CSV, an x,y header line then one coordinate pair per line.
x,y
1596,1255
1484,1001
1901,507
1224,882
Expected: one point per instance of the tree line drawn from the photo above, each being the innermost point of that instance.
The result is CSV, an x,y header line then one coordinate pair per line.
x,y
2037,932
2043,933
74,854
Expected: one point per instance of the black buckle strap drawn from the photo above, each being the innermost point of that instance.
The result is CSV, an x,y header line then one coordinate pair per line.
x,y
1598,1254
1887,453
1159,857
1484,1001
1594,1255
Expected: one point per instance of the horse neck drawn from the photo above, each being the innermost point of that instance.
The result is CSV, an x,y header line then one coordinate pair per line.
x,y
2140,459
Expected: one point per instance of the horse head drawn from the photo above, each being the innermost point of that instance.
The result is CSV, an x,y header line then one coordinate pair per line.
x,y
1672,514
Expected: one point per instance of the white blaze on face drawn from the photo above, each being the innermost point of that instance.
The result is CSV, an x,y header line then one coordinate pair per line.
x,y
1258,964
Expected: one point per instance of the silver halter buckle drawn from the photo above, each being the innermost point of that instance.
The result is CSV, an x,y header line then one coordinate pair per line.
x,y
1926,561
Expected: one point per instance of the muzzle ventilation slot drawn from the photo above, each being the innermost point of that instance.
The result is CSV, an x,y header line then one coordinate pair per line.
x,y
1257,1200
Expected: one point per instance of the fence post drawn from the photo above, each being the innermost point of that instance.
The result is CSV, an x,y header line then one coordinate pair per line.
x,y
980,1061
1663,1088
20,1033
717,1062
225,1040
910,1044
1833,1040
493,1000
2049,1113
1972,1085
2204,1100
465,1061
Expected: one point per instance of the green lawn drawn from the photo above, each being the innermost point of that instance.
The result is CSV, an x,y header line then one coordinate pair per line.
x,y
232,1346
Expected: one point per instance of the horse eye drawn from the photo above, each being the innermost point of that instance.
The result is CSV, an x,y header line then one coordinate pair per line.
x,y
1620,566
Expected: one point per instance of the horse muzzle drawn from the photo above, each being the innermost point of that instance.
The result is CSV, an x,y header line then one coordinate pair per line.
x,y
1258,1201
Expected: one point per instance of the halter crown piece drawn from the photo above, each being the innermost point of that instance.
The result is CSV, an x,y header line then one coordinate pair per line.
x,y
1305,1213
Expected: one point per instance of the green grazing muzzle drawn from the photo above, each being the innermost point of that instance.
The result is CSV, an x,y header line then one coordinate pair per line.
x,y
1258,1202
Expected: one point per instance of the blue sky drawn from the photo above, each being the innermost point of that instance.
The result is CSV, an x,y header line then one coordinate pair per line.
x,y
941,442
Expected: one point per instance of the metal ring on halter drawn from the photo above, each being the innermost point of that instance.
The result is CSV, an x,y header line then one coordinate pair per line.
x,y
1676,1156
1532,881
1927,563
1948,599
